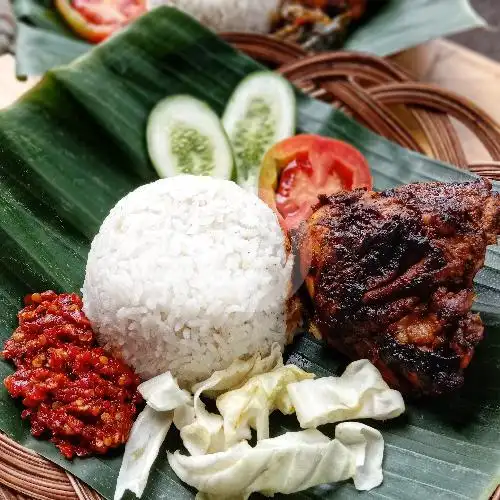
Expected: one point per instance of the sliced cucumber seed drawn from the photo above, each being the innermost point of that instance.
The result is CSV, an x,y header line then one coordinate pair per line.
x,y
252,136
260,113
194,152
185,136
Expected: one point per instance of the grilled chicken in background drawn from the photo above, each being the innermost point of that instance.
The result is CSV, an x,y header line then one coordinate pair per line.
x,y
390,276
334,7
299,20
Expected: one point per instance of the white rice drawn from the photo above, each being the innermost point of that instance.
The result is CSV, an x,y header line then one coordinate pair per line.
x,y
252,16
187,274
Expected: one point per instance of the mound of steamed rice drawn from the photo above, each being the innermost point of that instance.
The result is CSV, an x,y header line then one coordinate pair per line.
x,y
252,16
187,274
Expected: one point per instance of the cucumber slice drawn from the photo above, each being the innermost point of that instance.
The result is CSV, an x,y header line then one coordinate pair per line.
x,y
184,136
260,113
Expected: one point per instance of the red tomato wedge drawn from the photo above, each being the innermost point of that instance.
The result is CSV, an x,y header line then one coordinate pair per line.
x,y
96,20
297,170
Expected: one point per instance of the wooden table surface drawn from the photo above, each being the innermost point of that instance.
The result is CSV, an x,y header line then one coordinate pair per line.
x,y
463,71
10,88
441,62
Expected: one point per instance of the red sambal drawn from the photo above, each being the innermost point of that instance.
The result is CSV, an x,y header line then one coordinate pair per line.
x,y
75,393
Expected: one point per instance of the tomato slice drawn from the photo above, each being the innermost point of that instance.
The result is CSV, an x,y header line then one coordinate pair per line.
x,y
297,170
96,20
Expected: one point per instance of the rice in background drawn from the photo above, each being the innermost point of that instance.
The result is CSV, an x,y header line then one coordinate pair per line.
x,y
252,16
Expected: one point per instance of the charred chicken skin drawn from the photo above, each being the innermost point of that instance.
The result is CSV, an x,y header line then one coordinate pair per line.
x,y
390,275
298,19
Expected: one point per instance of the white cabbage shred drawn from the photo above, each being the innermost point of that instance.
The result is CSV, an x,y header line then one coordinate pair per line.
x,y
367,445
239,372
360,392
162,393
289,463
147,435
250,406
203,432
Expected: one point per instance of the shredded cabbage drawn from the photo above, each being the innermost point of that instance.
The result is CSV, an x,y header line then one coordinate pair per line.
x,y
289,463
148,432
239,372
250,406
146,437
223,465
203,432
360,392
184,415
367,445
163,394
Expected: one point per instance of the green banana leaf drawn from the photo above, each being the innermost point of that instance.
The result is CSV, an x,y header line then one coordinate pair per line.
x,y
44,41
75,144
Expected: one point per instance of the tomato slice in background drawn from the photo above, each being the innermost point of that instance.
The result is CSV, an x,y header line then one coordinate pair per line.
x,y
96,20
297,170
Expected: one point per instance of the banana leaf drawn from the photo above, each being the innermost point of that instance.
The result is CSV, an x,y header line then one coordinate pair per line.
x,y
44,41
75,144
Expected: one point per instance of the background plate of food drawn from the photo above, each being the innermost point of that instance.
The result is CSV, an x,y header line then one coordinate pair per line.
x,y
188,279
53,33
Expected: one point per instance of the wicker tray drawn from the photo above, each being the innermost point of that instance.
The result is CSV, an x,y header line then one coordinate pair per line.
x,y
377,93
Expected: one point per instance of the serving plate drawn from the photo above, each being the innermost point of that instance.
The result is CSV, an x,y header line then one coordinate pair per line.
x,y
69,152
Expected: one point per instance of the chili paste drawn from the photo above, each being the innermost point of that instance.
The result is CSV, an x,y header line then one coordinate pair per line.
x,y
74,393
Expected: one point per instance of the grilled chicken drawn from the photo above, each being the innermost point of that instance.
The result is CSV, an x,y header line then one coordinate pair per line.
x,y
390,276
297,20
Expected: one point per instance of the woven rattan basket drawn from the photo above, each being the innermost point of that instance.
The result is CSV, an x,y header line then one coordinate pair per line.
x,y
377,93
